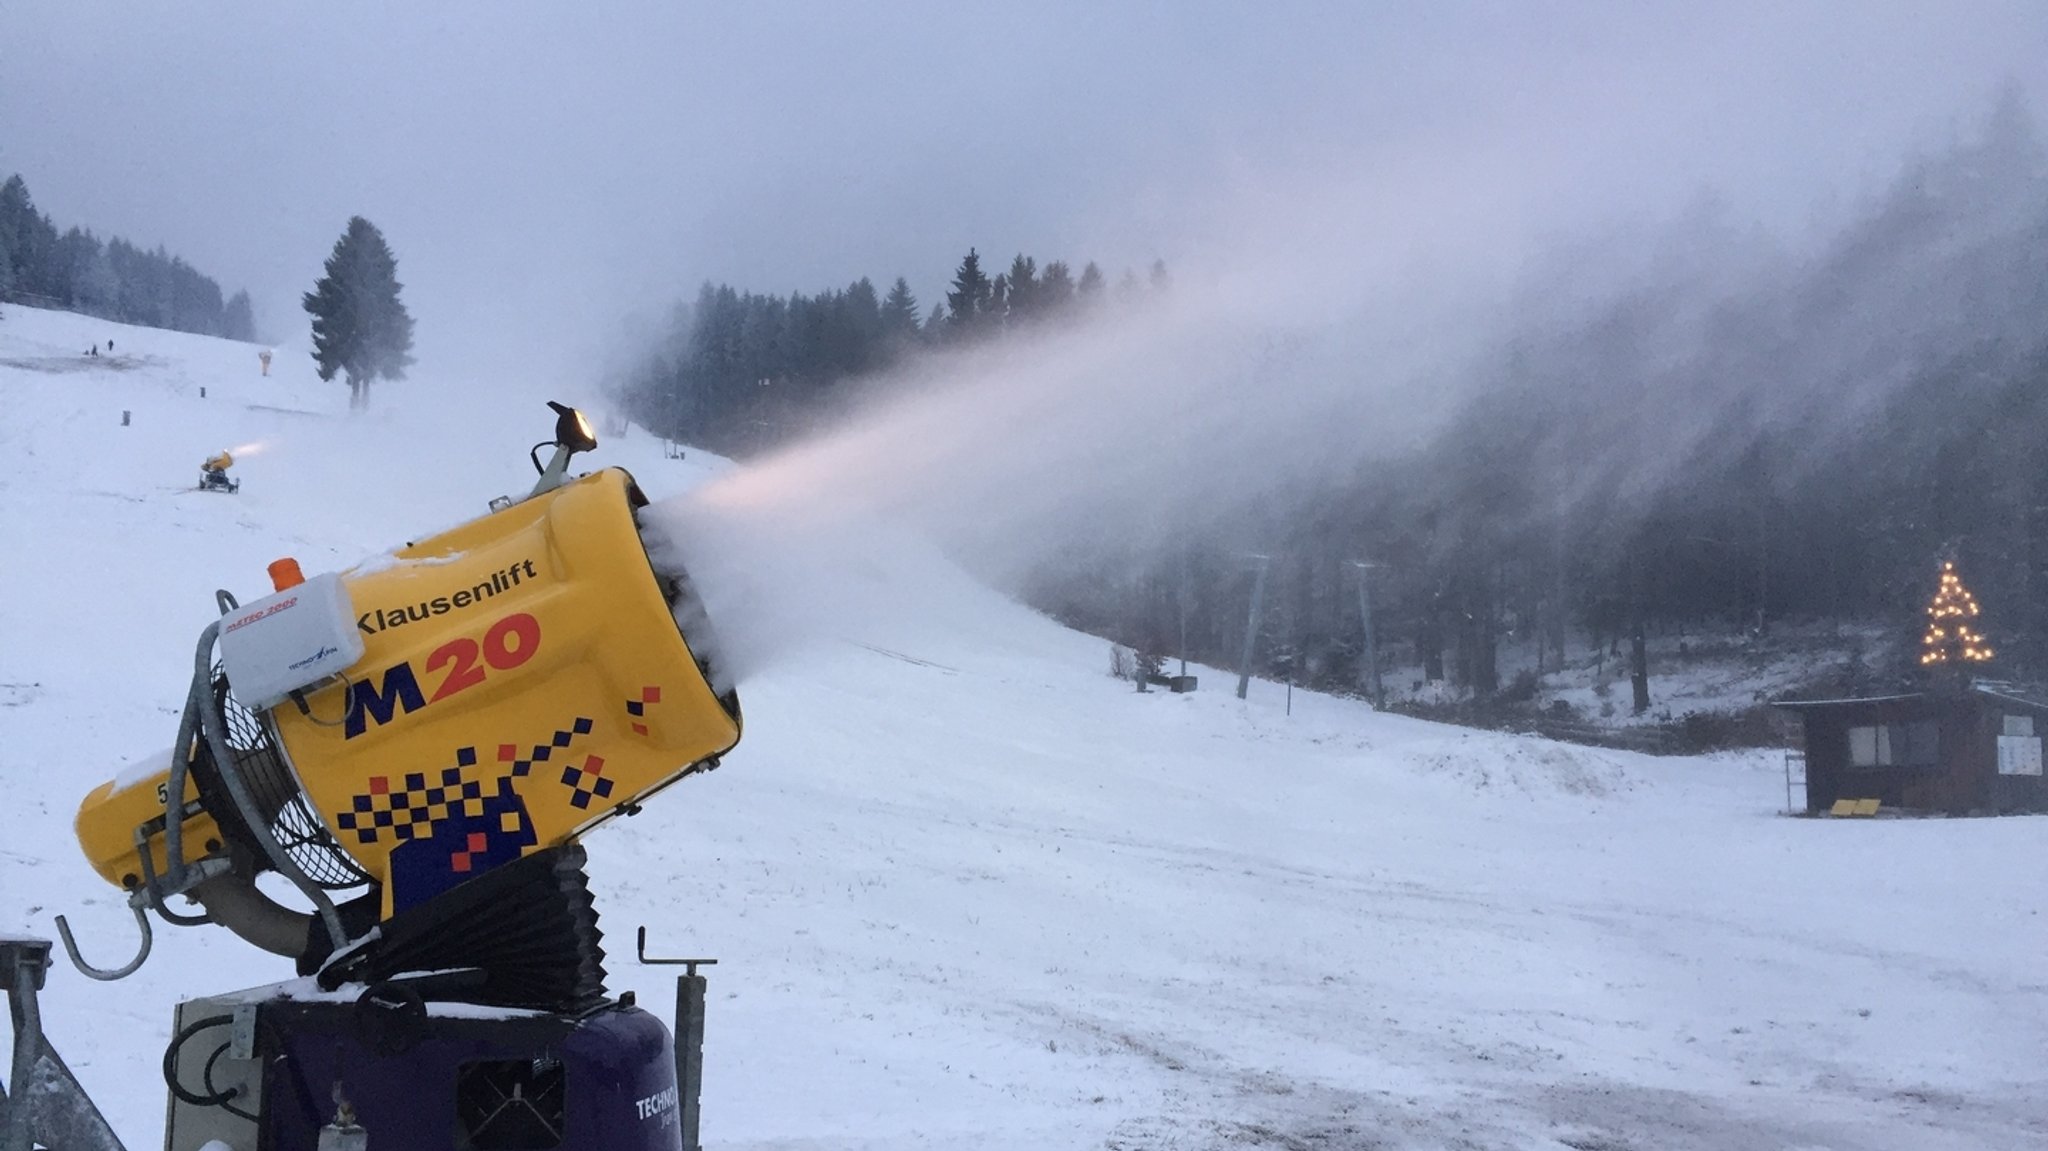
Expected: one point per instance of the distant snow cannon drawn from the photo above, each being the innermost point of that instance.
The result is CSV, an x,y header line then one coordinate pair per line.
x,y
213,474
418,745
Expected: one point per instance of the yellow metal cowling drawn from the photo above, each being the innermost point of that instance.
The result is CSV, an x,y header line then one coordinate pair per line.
x,y
110,814
523,678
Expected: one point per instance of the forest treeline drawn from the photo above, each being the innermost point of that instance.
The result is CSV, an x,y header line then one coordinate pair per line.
x,y
1730,436
740,372
111,279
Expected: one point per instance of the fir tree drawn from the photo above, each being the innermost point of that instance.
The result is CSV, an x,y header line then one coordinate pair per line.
x,y
360,327
970,298
1090,287
1023,281
900,312
998,300
31,241
238,318
1055,288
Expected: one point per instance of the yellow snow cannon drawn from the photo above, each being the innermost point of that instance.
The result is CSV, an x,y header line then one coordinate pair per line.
x,y
415,731
213,474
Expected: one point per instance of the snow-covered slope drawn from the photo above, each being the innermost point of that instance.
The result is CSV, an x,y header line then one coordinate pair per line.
x,y
968,891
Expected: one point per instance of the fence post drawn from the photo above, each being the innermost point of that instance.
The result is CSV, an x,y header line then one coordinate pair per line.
x,y
690,988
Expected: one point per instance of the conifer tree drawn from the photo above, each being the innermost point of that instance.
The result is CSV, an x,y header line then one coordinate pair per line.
x,y
900,311
970,298
1023,281
1055,287
360,327
238,318
1091,284
998,301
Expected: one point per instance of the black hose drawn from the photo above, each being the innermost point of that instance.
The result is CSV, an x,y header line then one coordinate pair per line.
x,y
206,1077
178,1041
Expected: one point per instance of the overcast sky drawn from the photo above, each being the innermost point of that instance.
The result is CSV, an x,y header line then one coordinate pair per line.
x,y
543,170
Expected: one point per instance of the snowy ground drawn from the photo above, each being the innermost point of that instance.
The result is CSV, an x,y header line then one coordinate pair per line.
x,y
968,891
1702,669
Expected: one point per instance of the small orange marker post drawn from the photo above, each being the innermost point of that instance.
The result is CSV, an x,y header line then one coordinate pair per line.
x,y
285,573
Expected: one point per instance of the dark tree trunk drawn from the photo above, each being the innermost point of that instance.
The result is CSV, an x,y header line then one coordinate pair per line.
x,y
1638,648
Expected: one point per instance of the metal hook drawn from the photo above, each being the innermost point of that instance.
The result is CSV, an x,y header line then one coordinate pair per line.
x,y
691,965
101,974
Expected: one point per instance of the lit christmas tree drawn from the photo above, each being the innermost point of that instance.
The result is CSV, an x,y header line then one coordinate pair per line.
x,y
1951,638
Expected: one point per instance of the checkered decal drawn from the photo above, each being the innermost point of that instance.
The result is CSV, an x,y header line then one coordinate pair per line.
x,y
637,708
587,781
461,822
542,752
414,809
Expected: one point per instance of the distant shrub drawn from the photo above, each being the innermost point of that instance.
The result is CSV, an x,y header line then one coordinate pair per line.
x,y
1699,731
1123,662
1522,688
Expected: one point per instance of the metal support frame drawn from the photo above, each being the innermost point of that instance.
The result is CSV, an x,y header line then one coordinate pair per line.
x,y
690,993
47,1107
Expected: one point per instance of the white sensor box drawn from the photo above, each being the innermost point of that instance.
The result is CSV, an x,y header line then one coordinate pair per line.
x,y
281,643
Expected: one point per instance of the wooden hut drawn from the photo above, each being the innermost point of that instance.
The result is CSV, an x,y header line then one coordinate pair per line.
x,y
1967,750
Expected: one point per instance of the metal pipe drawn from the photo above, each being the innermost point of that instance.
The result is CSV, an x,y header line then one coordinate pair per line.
x,y
1372,651
197,696
210,723
235,902
1251,627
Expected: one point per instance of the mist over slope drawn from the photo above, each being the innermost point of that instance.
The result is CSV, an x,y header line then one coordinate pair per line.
x,y
1685,423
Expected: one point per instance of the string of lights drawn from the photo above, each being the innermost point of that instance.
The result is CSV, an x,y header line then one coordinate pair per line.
x,y
1950,638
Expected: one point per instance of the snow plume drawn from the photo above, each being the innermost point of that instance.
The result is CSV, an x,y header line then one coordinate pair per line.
x,y
1340,334
1339,323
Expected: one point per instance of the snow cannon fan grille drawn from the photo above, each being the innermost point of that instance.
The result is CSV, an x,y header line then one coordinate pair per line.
x,y
277,794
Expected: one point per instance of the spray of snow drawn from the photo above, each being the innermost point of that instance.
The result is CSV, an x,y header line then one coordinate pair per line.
x,y
1329,324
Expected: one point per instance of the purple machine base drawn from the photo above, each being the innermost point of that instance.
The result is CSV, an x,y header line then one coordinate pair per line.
x,y
604,1081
